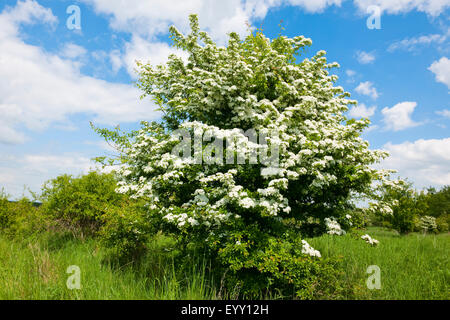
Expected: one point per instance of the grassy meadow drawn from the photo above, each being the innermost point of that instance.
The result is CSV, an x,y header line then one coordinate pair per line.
x,y
414,266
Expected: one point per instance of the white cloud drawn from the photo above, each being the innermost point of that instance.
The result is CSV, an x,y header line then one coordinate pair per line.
x,y
39,89
116,60
152,18
147,20
444,113
31,170
412,44
10,135
145,51
26,12
431,7
367,89
73,51
399,116
365,57
426,162
362,111
441,70
350,73
314,5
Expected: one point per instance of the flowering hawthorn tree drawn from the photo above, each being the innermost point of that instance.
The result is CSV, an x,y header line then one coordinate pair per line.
x,y
241,211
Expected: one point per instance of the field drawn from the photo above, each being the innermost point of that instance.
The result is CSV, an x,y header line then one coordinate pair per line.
x,y
414,266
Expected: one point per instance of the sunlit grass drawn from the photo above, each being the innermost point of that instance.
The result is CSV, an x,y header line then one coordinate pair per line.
x,y
38,271
415,266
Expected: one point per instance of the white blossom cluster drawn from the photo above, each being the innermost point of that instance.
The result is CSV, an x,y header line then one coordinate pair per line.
x,y
333,227
370,240
428,223
217,91
307,249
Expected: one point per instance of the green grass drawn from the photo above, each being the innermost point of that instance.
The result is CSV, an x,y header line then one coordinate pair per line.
x,y
38,271
412,267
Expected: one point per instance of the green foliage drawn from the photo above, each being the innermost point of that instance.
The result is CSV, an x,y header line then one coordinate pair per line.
x,y
438,202
443,223
428,224
359,219
20,218
281,268
79,203
5,219
408,206
125,232
415,211
254,263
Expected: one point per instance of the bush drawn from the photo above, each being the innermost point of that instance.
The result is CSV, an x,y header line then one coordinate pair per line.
x,y
279,267
428,224
79,203
443,223
4,215
125,232
21,218
408,206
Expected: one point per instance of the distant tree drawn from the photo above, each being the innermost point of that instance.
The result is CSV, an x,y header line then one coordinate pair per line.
x,y
438,201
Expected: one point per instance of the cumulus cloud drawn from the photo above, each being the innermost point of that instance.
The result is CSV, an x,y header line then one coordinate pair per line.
x,y
152,18
362,111
441,70
147,20
444,113
399,116
367,89
31,170
431,7
365,57
138,49
39,89
426,162
218,17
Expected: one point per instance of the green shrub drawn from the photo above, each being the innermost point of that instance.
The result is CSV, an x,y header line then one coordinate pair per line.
x,y
359,219
254,263
21,218
428,224
5,218
281,268
443,222
407,208
125,231
79,203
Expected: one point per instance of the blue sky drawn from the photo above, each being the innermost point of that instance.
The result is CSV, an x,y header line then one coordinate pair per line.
x,y
54,80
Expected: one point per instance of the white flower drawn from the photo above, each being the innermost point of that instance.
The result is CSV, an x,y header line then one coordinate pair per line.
x,y
333,227
307,249
193,222
370,240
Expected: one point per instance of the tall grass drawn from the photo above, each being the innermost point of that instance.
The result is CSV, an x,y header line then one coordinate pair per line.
x,y
414,266
37,270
